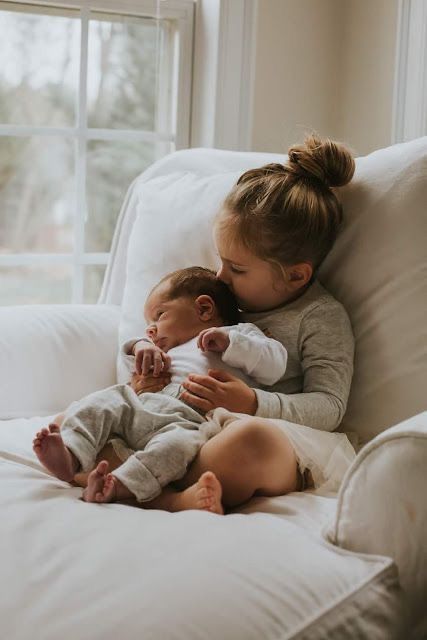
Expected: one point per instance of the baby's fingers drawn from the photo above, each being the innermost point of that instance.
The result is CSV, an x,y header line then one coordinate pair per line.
x,y
158,363
166,361
147,362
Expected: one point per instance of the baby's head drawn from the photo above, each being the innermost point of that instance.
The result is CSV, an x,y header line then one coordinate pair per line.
x,y
184,303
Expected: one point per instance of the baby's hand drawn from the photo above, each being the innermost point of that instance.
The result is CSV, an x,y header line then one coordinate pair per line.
x,y
148,357
149,383
213,339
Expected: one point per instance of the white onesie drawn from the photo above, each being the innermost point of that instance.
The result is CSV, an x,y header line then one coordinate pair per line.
x,y
251,356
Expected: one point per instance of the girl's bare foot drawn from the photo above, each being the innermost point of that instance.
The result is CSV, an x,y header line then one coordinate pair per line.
x,y
53,454
104,487
205,494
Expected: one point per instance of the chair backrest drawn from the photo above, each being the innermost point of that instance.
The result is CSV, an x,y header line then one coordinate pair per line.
x,y
377,268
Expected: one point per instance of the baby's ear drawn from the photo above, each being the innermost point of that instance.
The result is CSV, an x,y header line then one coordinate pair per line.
x,y
205,307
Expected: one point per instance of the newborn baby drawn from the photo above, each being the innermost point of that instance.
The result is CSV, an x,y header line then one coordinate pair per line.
x,y
193,324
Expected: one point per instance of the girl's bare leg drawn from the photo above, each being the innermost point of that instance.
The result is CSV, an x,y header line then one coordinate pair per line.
x,y
251,456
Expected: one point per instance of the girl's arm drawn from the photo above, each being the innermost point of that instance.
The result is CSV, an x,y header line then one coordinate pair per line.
x,y
326,348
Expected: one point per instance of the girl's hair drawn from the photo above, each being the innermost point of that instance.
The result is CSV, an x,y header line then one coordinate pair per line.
x,y
288,213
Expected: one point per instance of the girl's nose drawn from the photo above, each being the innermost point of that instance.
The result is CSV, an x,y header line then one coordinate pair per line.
x,y
220,274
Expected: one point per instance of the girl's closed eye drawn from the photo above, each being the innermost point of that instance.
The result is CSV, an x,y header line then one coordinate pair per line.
x,y
235,270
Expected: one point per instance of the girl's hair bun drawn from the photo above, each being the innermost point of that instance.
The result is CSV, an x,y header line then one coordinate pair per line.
x,y
323,160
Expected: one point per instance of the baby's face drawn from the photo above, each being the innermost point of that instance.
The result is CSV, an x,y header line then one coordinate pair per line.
x,y
171,322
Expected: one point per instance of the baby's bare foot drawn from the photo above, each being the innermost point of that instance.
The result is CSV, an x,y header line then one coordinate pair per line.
x,y
53,454
95,483
205,494
104,487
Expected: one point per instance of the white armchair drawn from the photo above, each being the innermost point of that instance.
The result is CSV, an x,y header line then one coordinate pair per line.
x,y
306,565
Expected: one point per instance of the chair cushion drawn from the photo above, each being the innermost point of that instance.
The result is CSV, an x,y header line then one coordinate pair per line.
x,y
54,354
77,570
377,268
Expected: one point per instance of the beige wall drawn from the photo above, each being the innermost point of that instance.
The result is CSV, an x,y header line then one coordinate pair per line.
x,y
326,65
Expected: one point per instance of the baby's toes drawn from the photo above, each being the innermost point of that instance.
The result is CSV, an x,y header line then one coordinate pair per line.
x,y
53,428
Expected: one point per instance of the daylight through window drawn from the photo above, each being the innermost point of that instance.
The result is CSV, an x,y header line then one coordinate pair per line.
x,y
88,99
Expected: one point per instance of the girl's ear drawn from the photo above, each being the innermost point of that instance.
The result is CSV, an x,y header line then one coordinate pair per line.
x,y
299,274
205,307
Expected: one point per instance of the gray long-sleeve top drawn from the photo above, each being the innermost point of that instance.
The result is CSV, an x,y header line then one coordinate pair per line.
x,y
317,334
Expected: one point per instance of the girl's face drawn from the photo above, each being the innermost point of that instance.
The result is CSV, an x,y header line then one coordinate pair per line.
x,y
255,283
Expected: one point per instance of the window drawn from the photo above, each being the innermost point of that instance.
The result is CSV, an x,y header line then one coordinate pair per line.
x,y
90,95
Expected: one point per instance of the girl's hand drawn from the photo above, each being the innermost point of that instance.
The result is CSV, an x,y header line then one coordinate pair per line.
x,y
213,339
144,384
219,389
148,356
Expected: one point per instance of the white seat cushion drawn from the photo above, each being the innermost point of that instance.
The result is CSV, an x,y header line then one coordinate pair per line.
x,y
72,569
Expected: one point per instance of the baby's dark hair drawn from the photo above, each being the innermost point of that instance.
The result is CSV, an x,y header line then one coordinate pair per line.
x,y
289,213
198,281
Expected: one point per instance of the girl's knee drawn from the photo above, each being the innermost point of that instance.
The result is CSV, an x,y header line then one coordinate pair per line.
x,y
254,434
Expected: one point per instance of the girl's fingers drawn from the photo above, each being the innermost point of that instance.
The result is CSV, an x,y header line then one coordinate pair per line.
x,y
204,381
195,401
198,390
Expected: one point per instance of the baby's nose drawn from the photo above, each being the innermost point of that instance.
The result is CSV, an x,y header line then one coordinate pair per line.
x,y
151,331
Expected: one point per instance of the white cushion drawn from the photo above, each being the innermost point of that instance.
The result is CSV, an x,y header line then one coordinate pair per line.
x,y
54,354
172,230
382,507
376,268
82,571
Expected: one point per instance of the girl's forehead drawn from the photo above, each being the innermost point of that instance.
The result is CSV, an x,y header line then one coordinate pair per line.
x,y
231,250
235,252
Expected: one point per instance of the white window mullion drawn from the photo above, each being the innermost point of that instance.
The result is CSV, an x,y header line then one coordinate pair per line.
x,y
80,213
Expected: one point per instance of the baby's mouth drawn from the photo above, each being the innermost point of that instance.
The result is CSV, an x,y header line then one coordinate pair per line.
x,y
161,342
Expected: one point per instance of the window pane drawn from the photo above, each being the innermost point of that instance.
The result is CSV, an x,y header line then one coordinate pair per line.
x,y
39,67
122,68
36,284
94,277
37,194
111,167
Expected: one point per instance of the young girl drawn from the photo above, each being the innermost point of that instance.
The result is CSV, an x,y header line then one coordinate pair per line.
x,y
275,228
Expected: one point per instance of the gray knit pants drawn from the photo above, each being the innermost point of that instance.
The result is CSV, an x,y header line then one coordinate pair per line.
x,y
165,433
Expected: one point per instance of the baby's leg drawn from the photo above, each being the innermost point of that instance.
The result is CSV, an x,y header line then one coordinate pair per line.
x,y
251,456
107,453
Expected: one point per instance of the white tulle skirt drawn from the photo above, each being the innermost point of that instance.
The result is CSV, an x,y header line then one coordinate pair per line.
x,y
327,456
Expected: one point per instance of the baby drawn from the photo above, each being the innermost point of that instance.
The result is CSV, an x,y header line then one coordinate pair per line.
x,y
192,318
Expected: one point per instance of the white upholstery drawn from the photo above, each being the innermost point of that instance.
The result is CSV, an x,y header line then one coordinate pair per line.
x,y
54,354
382,506
72,570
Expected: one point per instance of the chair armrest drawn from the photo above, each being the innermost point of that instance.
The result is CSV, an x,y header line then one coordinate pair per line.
x,y
51,355
382,508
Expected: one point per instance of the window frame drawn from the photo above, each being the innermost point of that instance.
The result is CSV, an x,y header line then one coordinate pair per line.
x,y
182,11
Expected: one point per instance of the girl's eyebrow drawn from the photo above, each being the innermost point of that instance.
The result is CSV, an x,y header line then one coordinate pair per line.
x,y
238,264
